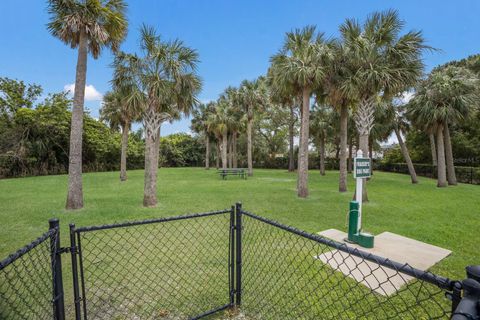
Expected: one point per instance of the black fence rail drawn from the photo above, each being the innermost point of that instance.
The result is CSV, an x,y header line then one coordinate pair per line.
x,y
469,175
31,280
224,264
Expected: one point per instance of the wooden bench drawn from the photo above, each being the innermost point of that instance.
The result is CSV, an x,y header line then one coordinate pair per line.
x,y
242,173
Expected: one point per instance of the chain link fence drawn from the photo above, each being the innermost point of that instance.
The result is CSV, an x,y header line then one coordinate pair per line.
x,y
224,264
27,289
166,268
469,175
295,275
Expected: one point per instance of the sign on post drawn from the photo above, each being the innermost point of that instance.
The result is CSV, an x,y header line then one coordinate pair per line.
x,y
361,170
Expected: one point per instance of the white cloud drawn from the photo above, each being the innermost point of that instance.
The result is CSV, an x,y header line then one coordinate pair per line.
x,y
91,94
406,96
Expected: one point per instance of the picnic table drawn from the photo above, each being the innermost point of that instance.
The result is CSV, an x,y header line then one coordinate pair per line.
x,y
241,172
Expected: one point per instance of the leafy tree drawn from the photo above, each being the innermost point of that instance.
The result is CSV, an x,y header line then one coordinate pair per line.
x,y
300,64
200,125
447,96
16,94
321,128
393,119
381,63
331,92
284,95
219,122
166,85
119,112
90,26
252,96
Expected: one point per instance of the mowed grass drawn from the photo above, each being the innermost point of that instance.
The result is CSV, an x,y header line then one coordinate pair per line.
x,y
448,217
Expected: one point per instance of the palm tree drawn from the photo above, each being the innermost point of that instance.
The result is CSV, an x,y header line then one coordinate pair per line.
x,y
381,64
284,95
335,78
232,95
446,96
392,118
118,111
90,26
200,125
320,127
219,122
167,86
300,64
251,96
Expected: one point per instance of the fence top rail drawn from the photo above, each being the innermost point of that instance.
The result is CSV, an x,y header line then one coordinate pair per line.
x,y
439,281
150,221
27,248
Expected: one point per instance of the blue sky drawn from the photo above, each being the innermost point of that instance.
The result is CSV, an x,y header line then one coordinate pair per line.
x,y
234,38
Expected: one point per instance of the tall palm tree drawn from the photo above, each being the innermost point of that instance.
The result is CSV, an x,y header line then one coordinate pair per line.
x,y
232,95
381,64
119,112
219,122
252,97
284,95
167,87
446,96
301,64
90,26
335,78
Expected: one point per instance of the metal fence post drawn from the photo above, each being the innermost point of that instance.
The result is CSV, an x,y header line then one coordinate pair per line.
x,y
232,256
76,289
238,229
57,280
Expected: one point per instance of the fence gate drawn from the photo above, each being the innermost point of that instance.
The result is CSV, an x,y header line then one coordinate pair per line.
x,y
192,266
172,268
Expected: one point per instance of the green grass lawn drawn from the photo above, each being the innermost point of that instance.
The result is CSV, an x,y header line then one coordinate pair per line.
x,y
181,261
447,217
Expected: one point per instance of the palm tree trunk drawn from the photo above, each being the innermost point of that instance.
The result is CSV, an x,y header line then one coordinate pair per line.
x,y
224,150
207,152
151,167
302,185
363,145
433,148
406,156
322,155
350,154
217,158
230,151
123,155
291,132
234,149
75,190
342,182
441,169
451,177
249,146
152,144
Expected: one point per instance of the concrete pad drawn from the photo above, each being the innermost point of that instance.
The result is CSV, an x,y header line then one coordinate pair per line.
x,y
388,245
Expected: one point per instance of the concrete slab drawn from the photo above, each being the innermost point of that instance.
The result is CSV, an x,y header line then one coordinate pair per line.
x,y
388,245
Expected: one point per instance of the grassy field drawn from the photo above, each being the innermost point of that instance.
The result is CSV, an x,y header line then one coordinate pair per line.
x,y
444,217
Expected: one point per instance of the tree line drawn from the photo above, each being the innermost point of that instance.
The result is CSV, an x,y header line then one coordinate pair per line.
x,y
350,93
345,89
34,137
